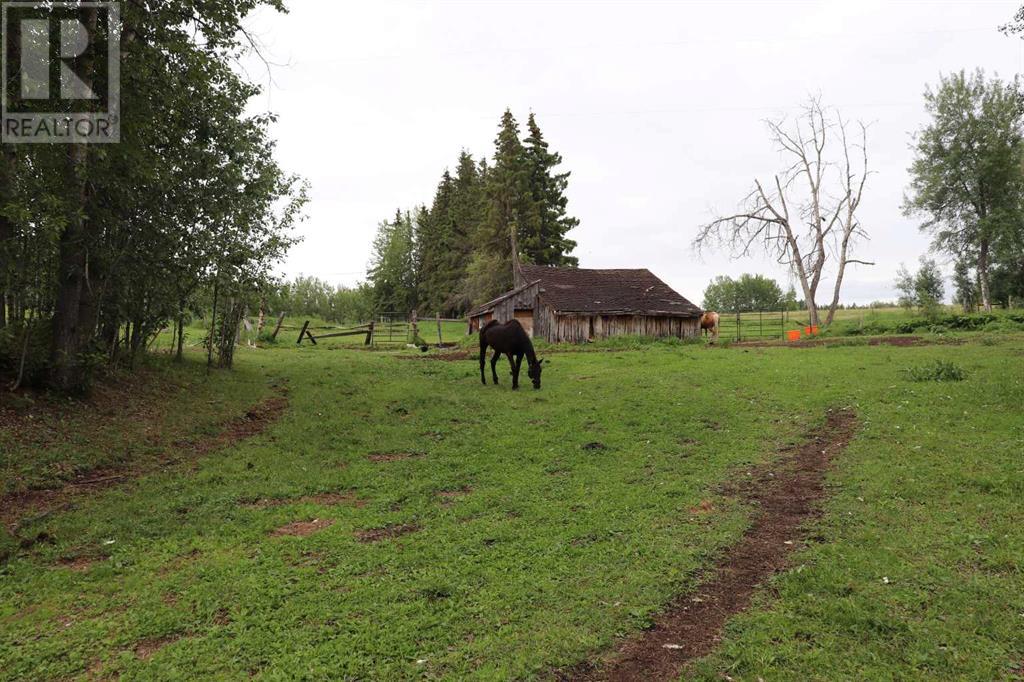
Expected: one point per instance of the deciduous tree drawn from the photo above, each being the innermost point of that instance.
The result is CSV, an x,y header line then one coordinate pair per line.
x,y
966,179
806,216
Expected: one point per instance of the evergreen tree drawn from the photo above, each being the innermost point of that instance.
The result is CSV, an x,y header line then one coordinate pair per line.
x,y
545,241
435,238
481,222
445,238
510,210
392,266
467,215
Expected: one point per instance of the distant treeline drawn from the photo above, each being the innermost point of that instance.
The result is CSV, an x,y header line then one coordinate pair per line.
x,y
757,293
315,298
749,293
459,250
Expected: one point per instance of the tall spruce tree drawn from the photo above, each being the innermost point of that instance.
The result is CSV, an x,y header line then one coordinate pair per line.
x,y
510,211
435,236
481,222
546,243
467,214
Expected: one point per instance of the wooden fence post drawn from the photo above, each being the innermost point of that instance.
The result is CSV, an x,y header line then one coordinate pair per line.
x,y
302,333
280,321
440,337
369,334
415,327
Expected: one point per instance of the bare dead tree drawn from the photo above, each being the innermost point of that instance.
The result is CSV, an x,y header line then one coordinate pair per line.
x,y
807,217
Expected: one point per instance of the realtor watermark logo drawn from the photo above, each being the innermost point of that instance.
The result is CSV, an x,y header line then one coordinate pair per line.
x,y
61,72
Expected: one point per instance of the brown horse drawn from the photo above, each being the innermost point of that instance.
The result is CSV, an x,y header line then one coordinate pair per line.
x,y
709,323
511,339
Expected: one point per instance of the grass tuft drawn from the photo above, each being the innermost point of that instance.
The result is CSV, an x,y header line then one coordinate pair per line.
x,y
939,370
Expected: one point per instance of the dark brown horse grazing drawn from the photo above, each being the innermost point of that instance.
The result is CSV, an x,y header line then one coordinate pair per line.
x,y
511,339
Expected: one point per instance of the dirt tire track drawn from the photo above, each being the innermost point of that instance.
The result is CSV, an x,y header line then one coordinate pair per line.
x,y
787,493
15,508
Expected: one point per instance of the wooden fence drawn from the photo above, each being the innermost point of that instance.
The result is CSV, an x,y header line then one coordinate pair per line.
x,y
360,330
387,329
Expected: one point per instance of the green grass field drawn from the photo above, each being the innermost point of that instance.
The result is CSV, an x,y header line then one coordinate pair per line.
x,y
480,533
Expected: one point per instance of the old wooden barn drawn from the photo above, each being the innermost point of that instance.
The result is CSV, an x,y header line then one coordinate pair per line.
x,y
574,305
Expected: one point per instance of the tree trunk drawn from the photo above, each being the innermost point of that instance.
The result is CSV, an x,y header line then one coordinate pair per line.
x,y
213,328
810,290
24,350
179,355
135,343
8,171
983,276
812,313
74,312
263,318
110,337
67,371
839,280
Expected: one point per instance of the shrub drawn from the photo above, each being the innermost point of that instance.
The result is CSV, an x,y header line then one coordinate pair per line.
x,y
37,360
1005,325
266,338
940,370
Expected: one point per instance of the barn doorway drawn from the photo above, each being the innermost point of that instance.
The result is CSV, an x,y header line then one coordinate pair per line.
x,y
525,317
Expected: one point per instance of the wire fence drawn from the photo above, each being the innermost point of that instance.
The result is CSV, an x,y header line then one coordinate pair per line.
x,y
755,326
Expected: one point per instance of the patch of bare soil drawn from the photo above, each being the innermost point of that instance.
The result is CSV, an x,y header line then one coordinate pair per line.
x,y
900,341
250,424
38,503
387,532
380,457
147,648
80,564
705,507
334,499
452,494
786,494
301,528
324,499
448,497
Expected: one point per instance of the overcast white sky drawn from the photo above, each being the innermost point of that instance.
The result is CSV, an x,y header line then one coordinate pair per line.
x,y
656,108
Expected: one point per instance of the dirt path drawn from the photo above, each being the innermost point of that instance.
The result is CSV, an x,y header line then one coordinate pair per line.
x,y
35,504
787,492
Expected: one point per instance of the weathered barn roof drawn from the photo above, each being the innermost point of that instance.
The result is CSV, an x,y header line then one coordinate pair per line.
x,y
486,307
637,292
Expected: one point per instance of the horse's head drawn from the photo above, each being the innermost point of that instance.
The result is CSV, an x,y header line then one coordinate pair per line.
x,y
534,372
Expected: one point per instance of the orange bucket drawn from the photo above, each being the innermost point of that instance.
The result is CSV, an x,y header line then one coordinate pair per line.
x,y
811,331
793,335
